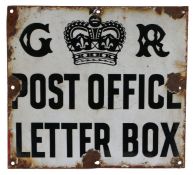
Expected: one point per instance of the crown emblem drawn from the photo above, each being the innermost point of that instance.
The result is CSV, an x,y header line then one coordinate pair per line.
x,y
94,41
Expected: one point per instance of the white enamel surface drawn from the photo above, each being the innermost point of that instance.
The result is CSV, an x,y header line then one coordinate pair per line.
x,y
60,61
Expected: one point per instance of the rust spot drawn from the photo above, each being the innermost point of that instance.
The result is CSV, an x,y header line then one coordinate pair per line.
x,y
174,12
96,10
72,7
158,10
90,158
144,165
41,8
78,165
9,53
12,17
14,87
177,162
176,83
91,10
11,21
15,162
10,136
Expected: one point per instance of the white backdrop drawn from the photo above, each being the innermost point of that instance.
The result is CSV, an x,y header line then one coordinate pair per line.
x,y
3,87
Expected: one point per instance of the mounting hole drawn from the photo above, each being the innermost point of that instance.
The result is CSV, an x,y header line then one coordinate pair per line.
x,y
97,162
12,163
12,87
183,12
98,11
11,11
180,88
179,162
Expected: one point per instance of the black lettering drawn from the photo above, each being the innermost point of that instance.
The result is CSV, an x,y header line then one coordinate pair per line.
x,y
160,80
141,91
93,78
19,151
52,127
169,141
126,90
170,103
72,78
155,43
35,139
69,128
52,79
111,90
45,43
130,139
146,128
34,78
83,138
102,141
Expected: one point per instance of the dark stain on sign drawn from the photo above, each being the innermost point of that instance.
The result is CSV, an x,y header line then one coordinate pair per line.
x,y
176,83
91,159
14,87
174,12
177,162
12,18
9,53
15,162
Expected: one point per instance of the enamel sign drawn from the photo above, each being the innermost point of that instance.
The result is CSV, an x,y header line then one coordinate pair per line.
x,y
96,87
